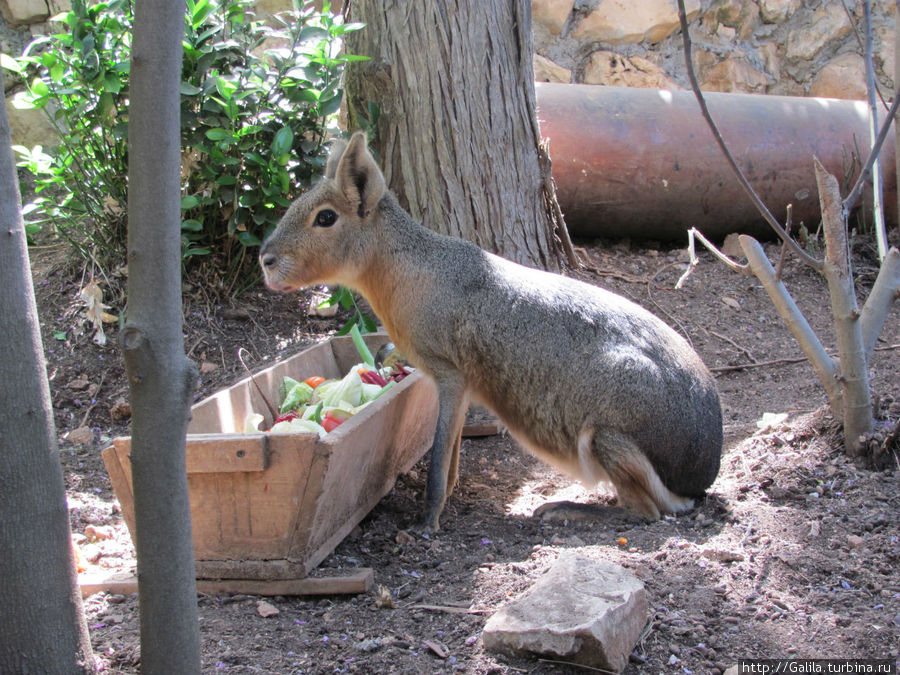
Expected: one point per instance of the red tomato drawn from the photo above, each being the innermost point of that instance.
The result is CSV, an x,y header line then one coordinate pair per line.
x,y
330,423
333,419
314,381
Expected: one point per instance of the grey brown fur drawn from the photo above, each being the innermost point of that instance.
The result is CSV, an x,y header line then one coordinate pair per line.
x,y
584,379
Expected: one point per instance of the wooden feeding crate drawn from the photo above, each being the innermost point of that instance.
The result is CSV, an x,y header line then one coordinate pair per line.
x,y
266,509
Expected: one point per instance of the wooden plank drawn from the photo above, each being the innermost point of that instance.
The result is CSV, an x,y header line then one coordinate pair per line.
x,y
477,429
360,581
368,452
226,411
346,354
120,480
118,584
220,453
264,570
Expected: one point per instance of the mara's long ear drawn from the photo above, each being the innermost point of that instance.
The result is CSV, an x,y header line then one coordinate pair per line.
x,y
334,156
358,176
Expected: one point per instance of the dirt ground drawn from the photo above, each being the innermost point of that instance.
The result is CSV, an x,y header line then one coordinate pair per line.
x,y
794,553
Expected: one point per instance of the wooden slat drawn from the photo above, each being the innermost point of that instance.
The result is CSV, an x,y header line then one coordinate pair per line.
x,y
360,581
119,584
263,570
346,354
120,479
220,453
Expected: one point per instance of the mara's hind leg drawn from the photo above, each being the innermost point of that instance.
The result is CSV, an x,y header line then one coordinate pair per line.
x,y
636,481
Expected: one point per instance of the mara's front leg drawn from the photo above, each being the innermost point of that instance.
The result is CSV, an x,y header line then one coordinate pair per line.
x,y
453,400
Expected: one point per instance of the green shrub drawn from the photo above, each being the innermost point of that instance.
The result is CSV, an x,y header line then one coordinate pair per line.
x,y
255,99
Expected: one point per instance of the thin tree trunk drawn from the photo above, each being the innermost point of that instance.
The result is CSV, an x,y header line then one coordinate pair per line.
x,y
159,374
457,131
896,84
857,399
43,628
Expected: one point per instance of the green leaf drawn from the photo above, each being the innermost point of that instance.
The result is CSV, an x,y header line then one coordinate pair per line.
x,y
353,58
283,141
59,335
112,83
248,240
192,225
39,88
218,134
189,202
188,89
330,106
312,33
225,88
8,62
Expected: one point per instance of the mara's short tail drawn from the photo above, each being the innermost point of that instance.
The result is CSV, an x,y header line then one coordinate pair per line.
x,y
613,456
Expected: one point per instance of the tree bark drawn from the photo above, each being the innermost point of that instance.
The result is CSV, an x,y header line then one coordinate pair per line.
x,y
457,130
43,628
160,376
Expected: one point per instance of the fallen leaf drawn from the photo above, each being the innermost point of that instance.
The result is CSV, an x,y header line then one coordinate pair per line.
x,y
731,302
92,297
383,598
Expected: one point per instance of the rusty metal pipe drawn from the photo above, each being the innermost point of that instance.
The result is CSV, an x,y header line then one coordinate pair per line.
x,y
643,164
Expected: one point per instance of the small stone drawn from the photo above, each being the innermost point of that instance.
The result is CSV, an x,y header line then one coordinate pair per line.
x,y
723,556
551,14
266,609
546,70
208,367
78,384
626,22
80,436
855,541
99,532
614,70
842,77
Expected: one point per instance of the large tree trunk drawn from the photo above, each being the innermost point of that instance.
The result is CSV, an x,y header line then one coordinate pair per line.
x,y
43,628
159,374
457,131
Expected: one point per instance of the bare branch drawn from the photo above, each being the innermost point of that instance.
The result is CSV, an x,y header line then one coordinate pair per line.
x,y
751,193
877,187
695,233
884,291
851,199
821,362
860,42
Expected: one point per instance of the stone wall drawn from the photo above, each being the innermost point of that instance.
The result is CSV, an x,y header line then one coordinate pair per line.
x,y
789,47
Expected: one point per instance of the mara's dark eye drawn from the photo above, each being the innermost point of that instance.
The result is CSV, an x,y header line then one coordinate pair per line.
x,y
325,218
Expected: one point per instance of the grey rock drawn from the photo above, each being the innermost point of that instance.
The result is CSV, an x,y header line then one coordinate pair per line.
x,y
586,611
